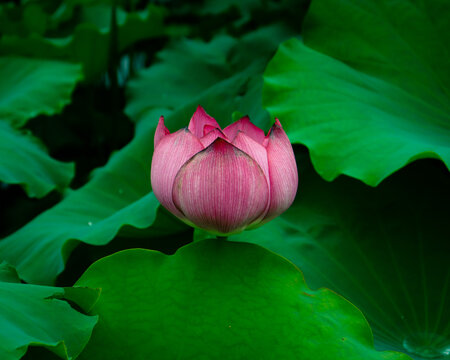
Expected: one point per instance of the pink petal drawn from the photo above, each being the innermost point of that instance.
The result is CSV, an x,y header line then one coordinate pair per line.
x,y
198,122
247,127
282,171
221,189
208,128
255,150
211,136
160,132
169,156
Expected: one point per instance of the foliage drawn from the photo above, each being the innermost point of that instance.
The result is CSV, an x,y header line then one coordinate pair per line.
x,y
273,299
362,90
29,88
366,108
38,315
382,249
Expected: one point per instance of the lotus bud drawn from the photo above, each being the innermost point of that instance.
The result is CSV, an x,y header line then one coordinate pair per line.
x,y
223,181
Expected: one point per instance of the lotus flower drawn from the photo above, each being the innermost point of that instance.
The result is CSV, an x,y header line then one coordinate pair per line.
x,y
223,181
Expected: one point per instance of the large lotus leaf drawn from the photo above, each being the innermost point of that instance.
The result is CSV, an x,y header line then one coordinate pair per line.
x,y
30,87
90,43
39,316
24,161
384,249
368,91
219,300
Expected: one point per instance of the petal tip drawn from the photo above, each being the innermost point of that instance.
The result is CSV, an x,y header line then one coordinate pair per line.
x,y
276,129
199,109
245,125
161,131
199,120
161,121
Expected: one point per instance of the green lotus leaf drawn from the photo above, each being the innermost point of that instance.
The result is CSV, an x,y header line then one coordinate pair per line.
x,y
368,90
383,249
39,316
32,87
219,300
118,194
25,162
223,75
8,273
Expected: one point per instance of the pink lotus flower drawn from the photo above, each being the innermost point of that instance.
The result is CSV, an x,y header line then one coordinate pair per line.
x,y
223,181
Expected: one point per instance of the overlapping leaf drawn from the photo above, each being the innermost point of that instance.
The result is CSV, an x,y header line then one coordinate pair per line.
x,y
37,315
219,300
369,90
193,72
33,87
28,88
24,161
384,249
